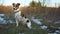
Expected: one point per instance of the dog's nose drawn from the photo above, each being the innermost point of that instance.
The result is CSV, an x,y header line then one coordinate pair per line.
x,y
14,8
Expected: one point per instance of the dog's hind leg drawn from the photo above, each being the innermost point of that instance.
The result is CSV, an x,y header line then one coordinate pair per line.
x,y
29,25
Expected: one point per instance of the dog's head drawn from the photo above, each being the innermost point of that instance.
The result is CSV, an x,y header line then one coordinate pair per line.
x,y
16,6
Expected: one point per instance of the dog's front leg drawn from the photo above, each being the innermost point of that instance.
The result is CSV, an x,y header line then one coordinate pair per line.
x,y
16,23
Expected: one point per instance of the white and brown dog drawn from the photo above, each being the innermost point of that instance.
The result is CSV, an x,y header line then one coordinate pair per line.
x,y
19,16
17,12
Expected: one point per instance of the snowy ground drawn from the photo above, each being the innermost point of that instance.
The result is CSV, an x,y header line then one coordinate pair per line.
x,y
44,27
35,20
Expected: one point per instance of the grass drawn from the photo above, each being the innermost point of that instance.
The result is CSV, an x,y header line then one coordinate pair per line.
x,y
12,29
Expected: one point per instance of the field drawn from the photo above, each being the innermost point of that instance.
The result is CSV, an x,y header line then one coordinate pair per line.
x,y
12,29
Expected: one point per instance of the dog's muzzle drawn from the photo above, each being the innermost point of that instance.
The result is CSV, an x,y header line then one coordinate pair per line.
x,y
14,8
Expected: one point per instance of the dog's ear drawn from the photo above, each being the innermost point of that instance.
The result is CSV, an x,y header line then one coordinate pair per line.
x,y
13,3
18,3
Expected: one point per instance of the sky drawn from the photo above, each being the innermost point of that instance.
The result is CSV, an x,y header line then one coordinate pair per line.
x,y
51,3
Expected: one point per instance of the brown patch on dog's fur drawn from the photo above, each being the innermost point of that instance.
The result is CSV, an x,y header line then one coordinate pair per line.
x,y
22,15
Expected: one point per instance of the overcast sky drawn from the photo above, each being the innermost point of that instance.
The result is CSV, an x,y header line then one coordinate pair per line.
x,y
26,2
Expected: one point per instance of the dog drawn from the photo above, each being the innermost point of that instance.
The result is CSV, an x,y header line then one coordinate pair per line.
x,y
17,13
19,16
